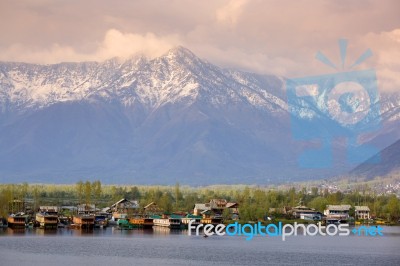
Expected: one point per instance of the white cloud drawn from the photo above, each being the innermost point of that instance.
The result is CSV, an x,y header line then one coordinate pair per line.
x,y
386,49
118,44
269,36
230,13
114,44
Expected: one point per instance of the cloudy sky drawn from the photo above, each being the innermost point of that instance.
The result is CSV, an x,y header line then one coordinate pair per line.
x,y
274,37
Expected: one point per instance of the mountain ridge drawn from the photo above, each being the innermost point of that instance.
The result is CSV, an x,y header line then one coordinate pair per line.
x,y
389,163
171,118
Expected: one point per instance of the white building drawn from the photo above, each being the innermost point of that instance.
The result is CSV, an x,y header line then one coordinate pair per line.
x,y
337,212
362,212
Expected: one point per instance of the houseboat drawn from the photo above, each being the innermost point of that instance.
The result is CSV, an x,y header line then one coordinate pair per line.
x,y
209,217
214,220
64,221
47,217
3,223
100,221
116,216
123,209
172,221
16,221
125,224
337,214
186,220
83,221
142,222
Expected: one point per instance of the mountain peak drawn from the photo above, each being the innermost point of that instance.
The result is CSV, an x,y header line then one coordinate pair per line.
x,y
180,51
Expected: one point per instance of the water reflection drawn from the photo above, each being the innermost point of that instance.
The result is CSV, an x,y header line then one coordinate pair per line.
x,y
45,232
156,231
15,231
162,245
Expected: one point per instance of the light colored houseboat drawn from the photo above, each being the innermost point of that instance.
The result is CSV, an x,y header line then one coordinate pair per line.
x,y
172,221
336,214
47,217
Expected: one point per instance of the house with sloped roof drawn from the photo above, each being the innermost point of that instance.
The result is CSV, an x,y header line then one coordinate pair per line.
x,y
86,208
200,207
337,213
152,209
125,205
305,213
124,208
216,207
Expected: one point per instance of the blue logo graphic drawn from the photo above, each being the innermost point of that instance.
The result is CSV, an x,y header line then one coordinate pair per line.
x,y
325,108
282,230
368,231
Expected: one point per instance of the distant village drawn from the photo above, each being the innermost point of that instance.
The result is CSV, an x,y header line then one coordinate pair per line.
x,y
92,205
128,214
385,186
379,189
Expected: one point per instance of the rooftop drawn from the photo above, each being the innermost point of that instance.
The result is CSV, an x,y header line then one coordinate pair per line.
x,y
362,208
338,207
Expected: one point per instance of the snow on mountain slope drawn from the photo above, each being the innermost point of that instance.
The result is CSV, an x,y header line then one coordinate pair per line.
x,y
162,120
175,77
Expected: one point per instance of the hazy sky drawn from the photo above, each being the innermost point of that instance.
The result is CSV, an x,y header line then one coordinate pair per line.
x,y
278,37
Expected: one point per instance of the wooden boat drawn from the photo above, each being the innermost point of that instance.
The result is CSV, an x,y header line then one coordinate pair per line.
x,y
15,221
83,221
142,222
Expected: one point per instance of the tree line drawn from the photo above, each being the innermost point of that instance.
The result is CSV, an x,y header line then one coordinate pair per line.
x,y
255,203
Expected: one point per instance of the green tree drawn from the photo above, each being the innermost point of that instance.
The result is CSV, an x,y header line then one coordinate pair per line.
x,y
134,193
24,190
319,203
178,195
165,202
393,208
96,187
292,197
88,191
80,191
36,197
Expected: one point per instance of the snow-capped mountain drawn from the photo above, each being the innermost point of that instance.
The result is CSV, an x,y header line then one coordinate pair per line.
x,y
172,118
175,77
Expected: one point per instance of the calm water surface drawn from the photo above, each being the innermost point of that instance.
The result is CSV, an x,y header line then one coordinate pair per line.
x,y
164,247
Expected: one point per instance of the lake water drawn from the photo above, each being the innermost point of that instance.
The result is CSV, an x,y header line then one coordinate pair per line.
x,y
164,247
